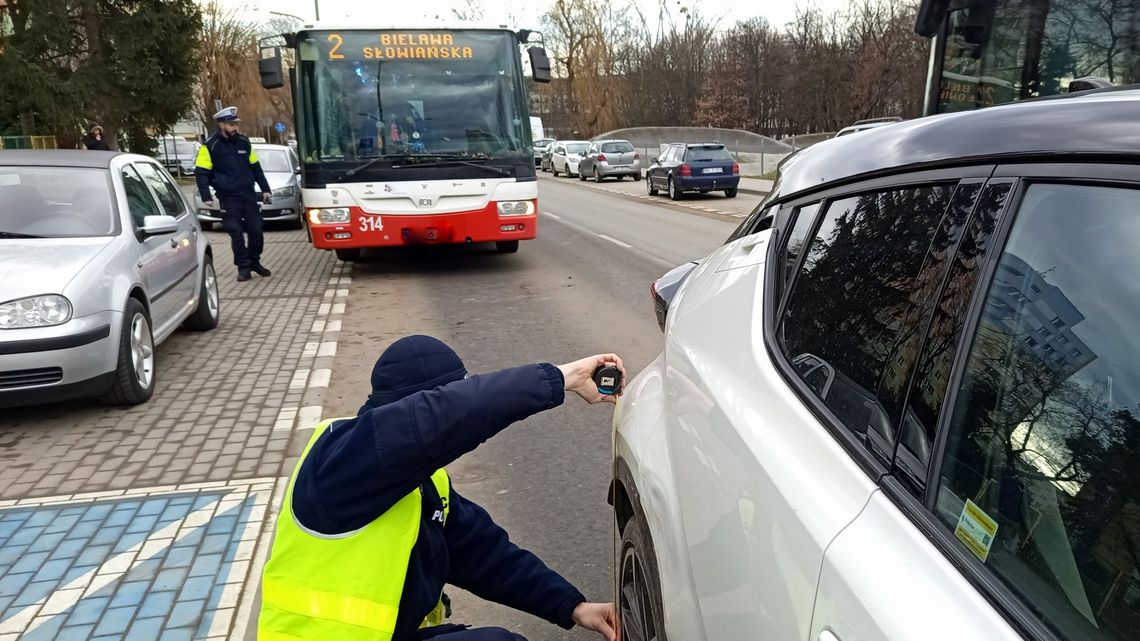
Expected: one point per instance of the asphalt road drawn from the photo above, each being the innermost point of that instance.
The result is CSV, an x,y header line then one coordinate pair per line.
x,y
581,287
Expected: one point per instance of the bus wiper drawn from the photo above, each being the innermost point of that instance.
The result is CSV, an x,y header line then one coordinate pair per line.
x,y
361,167
441,161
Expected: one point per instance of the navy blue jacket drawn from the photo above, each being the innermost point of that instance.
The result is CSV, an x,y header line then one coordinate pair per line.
x,y
229,165
360,467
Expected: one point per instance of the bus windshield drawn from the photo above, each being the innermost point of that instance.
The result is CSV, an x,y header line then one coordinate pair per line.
x,y
385,97
998,51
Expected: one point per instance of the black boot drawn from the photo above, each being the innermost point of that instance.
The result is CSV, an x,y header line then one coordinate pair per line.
x,y
261,270
243,275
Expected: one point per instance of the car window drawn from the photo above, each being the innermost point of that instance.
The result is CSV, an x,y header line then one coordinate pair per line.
x,y
852,302
55,202
1040,478
140,203
273,160
804,217
576,148
619,147
706,154
939,347
167,193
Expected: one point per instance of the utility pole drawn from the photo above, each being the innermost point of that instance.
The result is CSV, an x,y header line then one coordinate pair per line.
x,y
317,9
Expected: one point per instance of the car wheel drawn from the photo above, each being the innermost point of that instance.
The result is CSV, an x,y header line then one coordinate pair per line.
x,y
581,174
209,310
597,175
554,170
206,225
649,186
506,246
348,255
674,193
639,586
730,193
135,372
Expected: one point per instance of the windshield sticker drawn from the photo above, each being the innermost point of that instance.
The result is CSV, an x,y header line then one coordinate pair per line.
x,y
976,530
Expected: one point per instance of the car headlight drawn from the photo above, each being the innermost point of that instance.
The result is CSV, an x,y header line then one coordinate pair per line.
x,y
329,216
285,192
516,208
37,311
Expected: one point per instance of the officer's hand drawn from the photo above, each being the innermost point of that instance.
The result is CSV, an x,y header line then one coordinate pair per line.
x,y
267,198
599,617
579,377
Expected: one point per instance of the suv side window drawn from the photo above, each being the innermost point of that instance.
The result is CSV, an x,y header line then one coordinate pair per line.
x,y
140,203
1040,478
853,304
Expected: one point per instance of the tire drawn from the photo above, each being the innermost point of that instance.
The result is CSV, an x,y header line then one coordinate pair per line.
x,y
597,176
649,188
348,255
206,225
730,193
674,193
135,373
554,170
506,246
639,585
581,174
209,310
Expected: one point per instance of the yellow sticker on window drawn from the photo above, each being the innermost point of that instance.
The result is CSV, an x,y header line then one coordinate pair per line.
x,y
976,530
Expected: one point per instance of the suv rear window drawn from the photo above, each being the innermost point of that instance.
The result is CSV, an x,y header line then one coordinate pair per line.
x,y
617,147
704,154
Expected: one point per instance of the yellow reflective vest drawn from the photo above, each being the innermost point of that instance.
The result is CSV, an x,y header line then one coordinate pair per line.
x,y
343,587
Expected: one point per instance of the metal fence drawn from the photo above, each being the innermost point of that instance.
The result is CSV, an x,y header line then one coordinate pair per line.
x,y
27,142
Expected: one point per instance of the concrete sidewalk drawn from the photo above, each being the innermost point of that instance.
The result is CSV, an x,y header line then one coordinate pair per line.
x,y
756,186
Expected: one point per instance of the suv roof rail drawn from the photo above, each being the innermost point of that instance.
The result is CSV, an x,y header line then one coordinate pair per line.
x,y
868,121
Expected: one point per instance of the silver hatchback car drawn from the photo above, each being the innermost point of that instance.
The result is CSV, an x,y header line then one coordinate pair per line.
x,y
606,158
100,261
283,171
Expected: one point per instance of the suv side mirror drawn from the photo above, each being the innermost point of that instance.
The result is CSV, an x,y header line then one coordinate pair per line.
x,y
270,68
539,64
158,225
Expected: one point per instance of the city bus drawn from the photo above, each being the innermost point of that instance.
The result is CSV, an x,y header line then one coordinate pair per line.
x,y
412,136
988,52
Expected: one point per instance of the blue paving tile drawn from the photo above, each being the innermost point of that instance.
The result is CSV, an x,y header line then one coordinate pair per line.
x,y
34,592
186,613
203,500
152,506
181,634
214,544
29,562
131,594
13,584
96,512
46,631
75,572
109,637
78,510
61,524
120,517
15,515
5,601
207,564
25,536
144,630
47,542
41,517
223,524
53,570
178,558
69,549
88,611
84,530
94,554
115,620
142,523
75,633
156,604
146,571
192,539
170,579
9,555
127,506
107,535
196,588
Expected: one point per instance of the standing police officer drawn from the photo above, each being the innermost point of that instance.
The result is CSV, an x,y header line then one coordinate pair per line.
x,y
371,528
228,163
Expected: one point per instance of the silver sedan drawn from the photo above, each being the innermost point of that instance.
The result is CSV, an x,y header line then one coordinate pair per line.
x,y
283,172
100,261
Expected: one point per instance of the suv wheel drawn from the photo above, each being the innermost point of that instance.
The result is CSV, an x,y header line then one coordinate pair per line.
x,y
639,586
135,372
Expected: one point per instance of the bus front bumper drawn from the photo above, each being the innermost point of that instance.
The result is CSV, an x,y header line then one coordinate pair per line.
x,y
393,230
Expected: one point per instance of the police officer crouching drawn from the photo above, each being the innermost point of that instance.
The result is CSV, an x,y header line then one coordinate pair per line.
x,y
228,163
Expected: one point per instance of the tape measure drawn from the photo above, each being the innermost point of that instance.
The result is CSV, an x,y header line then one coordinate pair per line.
x,y
608,379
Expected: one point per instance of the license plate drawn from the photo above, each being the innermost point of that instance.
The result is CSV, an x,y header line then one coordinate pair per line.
x,y
714,170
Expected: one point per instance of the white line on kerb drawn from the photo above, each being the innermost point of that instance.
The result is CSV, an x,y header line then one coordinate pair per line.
x,y
616,241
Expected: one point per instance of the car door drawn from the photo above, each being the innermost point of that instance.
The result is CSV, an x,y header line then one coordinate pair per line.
x,y
558,157
660,169
586,167
158,265
1010,512
184,242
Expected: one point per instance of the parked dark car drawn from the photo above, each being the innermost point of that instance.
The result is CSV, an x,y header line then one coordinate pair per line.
x,y
699,167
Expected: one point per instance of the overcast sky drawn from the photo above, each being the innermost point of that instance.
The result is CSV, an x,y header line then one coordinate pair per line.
x,y
514,13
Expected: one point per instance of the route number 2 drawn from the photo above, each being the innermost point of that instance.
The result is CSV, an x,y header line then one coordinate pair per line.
x,y
339,40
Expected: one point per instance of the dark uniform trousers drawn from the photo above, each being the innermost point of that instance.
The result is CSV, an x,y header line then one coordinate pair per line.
x,y
242,217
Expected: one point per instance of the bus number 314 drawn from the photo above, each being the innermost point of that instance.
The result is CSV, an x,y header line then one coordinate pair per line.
x,y
371,223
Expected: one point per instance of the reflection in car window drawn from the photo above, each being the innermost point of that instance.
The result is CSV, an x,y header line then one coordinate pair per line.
x,y
139,201
1041,478
578,148
620,147
853,294
702,154
805,216
168,194
55,202
273,160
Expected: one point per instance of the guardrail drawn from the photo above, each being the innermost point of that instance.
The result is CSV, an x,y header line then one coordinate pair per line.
x,y
28,142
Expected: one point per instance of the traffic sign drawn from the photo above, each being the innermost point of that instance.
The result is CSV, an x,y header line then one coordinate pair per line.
x,y
280,127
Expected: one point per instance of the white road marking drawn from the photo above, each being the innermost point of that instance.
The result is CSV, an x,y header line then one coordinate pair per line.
x,y
554,216
616,241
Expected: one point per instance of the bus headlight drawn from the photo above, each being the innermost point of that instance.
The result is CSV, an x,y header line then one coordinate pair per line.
x,y
516,208
329,216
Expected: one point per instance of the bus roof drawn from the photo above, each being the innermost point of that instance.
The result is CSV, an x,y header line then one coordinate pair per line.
x,y
345,26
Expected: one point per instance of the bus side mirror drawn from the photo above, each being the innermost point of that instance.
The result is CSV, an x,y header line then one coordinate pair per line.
x,y
539,64
270,68
931,13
